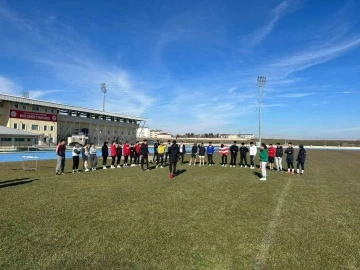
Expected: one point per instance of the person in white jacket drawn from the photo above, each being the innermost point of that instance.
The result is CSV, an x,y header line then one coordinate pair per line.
x,y
253,152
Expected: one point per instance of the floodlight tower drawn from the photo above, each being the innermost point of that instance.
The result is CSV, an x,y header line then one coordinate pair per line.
x,y
260,83
103,89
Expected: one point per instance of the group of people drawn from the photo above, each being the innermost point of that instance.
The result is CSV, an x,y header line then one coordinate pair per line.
x,y
138,155
271,153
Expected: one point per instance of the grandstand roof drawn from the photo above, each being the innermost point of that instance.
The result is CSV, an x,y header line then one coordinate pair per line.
x,y
15,132
66,107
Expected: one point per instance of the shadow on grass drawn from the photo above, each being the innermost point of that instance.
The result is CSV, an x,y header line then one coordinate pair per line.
x,y
257,174
16,182
179,172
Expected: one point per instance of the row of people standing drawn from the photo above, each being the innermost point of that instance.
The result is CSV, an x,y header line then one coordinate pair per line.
x,y
130,153
199,150
139,154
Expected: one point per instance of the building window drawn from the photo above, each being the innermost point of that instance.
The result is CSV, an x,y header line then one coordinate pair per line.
x,y
109,132
16,106
45,128
15,125
23,126
34,127
52,111
115,131
19,140
6,139
35,108
46,109
52,128
24,107
28,140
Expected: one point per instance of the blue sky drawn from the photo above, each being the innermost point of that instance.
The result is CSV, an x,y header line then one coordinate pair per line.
x,y
192,66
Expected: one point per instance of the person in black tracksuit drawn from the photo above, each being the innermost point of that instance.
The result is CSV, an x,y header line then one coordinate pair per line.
x,y
290,158
194,151
167,151
301,160
202,151
132,154
144,153
278,157
105,154
173,158
234,149
119,152
156,145
243,152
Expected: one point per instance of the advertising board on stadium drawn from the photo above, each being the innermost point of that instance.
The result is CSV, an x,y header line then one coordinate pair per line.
x,y
33,116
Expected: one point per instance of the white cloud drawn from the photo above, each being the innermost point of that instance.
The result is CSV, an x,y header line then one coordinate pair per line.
x,y
232,89
348,92
8,87
73,64
316,56
277,14
39,94
295,95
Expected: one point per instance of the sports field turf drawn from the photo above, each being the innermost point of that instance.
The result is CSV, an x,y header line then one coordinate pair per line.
x,y
205,218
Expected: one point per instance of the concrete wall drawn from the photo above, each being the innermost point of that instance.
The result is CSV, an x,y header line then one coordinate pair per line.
x,y
16,141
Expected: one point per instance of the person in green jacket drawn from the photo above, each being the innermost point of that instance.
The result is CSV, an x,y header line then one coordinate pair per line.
x,y
263,160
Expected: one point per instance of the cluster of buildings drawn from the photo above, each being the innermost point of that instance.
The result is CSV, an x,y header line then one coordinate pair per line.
x,y
148,133
237,136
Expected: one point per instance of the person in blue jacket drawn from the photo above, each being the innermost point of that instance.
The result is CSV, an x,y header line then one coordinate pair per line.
x,y
210,152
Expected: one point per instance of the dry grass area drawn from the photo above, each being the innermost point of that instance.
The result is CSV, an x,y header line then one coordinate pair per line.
x,y
205,218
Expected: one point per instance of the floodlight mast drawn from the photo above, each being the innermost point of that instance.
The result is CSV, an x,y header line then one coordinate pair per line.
x,y
103,89
260,83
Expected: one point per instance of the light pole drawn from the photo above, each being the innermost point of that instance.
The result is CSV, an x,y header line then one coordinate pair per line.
x,y
103,89
99,133
260,83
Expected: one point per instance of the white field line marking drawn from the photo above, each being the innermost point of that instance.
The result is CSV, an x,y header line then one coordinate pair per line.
x,y
266,242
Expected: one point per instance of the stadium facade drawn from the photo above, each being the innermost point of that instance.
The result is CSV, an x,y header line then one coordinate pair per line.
x,y
53,121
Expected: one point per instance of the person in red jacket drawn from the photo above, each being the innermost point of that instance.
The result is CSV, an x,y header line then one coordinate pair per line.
x,y
271,153
137,154
113,154
126,151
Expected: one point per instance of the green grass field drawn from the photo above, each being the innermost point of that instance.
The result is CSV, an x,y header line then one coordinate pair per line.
x,y
205,218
